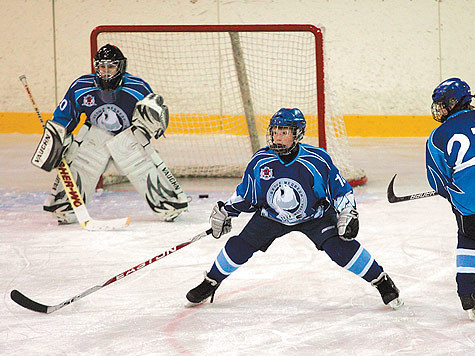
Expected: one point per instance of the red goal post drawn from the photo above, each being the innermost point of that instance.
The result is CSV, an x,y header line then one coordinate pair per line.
x,y
222,83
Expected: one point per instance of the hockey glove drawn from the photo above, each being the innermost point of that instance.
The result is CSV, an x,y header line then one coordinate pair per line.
x,y
53,144
348,224
220,220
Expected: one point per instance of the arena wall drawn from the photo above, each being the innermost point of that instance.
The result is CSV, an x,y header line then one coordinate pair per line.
x,y
384,57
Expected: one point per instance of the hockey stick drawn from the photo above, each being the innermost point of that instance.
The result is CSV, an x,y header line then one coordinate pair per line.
x,y
28,303
392,198
71,189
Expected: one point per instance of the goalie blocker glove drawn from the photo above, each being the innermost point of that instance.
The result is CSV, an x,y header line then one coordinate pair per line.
x,y
53,144
151,115
220,220
348,224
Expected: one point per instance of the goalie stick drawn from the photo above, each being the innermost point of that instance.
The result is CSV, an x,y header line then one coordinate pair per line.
x,y
71,189
30,304
392,198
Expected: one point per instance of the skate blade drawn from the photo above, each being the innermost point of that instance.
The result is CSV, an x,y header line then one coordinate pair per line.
x,y
471,314
396,303
189,304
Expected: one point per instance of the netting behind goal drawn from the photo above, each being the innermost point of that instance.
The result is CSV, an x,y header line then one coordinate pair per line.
x,y
222,84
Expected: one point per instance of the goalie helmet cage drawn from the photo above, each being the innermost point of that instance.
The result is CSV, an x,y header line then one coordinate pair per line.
x,y
222,84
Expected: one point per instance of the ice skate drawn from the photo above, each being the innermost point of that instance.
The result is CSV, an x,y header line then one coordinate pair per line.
x,y
202,292
389,292
468,304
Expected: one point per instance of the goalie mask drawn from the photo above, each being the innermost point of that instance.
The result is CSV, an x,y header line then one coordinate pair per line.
x,y
451,96
110,65
286,130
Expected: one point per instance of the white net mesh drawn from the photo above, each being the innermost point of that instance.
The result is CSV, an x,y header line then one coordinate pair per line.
x,y
222,88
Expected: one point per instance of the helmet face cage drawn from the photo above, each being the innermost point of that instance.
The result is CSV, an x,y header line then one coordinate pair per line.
x,y
107,69
451,96
291,120
278,148
110,65
439,111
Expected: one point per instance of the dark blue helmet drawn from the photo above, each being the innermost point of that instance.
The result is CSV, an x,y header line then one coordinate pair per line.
x,y
450,96
110,65
288,117
292,119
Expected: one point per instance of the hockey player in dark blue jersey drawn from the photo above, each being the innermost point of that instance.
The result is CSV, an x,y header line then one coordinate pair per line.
x,y
290,186
450,159
122,116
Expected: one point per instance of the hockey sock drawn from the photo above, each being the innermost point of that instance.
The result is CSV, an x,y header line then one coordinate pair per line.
x,y
465,271
465,265
234,254
353,257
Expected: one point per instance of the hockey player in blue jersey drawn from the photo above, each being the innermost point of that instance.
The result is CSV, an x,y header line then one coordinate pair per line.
x,y
290,186
122,116
450,159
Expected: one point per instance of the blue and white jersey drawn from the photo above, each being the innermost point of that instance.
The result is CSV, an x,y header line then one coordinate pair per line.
x,y
450,160
111,111
294,192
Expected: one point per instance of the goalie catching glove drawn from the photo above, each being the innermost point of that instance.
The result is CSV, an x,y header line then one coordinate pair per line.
x,y
220,220
53,144
151,115
348,224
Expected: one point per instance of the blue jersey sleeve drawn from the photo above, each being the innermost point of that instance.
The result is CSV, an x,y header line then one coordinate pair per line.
x,y
438,172
340,191
246,196
329,183
68,112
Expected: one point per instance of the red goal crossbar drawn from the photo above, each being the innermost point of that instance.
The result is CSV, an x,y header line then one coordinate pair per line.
x,y
317,32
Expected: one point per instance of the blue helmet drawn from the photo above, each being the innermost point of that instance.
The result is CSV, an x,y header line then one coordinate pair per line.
x,y
450,96
286,118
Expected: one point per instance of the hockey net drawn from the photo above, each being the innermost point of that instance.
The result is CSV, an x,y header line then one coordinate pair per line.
x,y
222,83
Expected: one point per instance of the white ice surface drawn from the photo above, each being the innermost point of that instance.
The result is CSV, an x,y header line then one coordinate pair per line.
x,y
292,300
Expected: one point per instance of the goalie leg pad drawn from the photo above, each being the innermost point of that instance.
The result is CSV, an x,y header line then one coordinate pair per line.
x,y
88,159
138,160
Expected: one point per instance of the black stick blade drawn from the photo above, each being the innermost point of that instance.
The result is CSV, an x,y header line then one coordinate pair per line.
x,y
391,196
27,303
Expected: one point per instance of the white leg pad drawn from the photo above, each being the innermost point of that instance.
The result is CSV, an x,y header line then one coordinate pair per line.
x,y
89,157
138,160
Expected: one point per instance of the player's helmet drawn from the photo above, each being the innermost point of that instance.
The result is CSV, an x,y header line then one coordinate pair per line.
x,y
450,96
110,65
286,118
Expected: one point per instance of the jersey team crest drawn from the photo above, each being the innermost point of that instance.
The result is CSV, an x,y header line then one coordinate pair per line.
x,y
266,173
288,199
89,101
110,118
